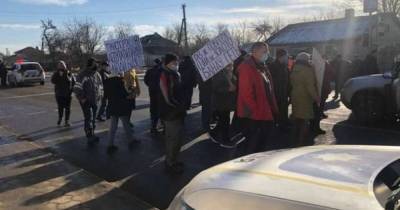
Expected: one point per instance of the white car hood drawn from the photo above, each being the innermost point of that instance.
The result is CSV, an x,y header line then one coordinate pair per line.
x,y
338,177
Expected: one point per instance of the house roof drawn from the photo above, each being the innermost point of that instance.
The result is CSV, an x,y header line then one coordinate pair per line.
x,y
156,40
324,31
29,50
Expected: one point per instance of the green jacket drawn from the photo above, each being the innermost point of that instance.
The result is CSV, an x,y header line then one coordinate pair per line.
x,y
304,91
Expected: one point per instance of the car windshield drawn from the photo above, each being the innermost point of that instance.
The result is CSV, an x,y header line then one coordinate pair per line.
x,y
25,67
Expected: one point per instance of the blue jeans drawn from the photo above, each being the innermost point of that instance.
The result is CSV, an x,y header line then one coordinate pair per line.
x,y
89,113
114,126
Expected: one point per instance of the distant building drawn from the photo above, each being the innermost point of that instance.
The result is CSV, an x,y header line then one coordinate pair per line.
x,y
352,37
27,54
156,46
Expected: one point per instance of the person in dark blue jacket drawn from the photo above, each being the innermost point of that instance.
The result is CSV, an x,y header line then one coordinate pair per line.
x,y
152,80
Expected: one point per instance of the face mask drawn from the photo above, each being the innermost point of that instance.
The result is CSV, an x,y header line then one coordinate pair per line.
x,y
265,57
175,68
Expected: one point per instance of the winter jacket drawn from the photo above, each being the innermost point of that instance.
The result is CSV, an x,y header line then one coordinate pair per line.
x,y
63,85
188,73
3,69
118,103
224,99
152,79
304,91
172,105
280,78
89,86
256,98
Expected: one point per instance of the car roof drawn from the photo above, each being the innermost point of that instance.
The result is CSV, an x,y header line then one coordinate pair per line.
x,y
339,177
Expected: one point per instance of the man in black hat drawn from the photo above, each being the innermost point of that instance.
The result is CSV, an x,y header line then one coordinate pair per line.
x,y
89,91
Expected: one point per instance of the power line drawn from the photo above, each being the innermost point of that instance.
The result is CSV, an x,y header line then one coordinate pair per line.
x,y
84,13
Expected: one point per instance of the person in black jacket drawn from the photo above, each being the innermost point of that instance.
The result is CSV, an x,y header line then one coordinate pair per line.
x,y
3,74
189,80
119,109
172,112
152,80
63,82
280,78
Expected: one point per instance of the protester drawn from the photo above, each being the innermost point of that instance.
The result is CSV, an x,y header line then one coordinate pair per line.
x,y
256,103
188,75
343,72
132,85
64,82
280,78
119,108
172,112
3,74
224,98
89,91
205,90
370,64
152,80
104,73
303,95
326,90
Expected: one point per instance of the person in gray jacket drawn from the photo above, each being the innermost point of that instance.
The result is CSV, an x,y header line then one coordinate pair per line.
x,y
89,91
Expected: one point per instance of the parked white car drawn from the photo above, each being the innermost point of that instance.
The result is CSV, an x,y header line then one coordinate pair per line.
x,y
26,73
309,178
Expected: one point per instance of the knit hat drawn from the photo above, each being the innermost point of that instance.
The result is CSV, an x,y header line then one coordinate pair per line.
x,y
303,57
170,58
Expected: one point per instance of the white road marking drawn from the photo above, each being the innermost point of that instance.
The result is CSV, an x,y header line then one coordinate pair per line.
x,y
27,96
37,113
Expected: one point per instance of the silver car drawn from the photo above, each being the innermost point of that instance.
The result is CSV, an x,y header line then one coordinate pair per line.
x,y
309,178
373,98
26,73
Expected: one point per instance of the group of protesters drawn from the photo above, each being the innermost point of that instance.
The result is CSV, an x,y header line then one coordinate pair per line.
x,y
241,105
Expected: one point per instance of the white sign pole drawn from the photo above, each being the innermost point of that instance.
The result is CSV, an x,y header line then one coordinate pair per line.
x,y
319,67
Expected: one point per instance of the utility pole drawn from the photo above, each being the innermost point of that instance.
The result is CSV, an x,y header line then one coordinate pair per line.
x,y
183,31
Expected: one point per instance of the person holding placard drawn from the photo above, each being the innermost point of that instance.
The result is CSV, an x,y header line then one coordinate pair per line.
x,y
172,112
119,109
224,98
256,103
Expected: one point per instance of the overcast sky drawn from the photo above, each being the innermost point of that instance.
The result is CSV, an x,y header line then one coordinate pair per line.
x,y
20,19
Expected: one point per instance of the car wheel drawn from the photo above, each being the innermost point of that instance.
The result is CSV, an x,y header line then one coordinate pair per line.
x,y
368,107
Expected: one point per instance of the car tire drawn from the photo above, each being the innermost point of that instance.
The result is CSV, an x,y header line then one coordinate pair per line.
x,y
368,107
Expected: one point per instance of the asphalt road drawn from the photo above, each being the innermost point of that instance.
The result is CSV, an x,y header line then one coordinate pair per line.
x,y
30,112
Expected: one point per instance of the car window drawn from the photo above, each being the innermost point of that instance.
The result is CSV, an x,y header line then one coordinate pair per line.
x,y
25,67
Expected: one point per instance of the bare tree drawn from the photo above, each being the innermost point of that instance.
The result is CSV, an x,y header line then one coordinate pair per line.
x,y
243,33
263,30
84,39
277,25
389,6
172,32
200,36
122,30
